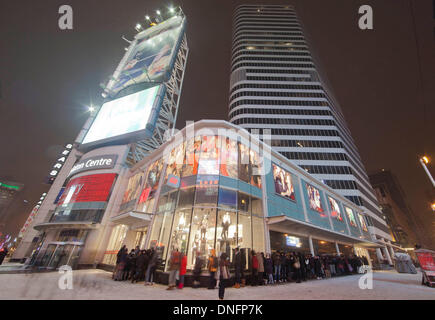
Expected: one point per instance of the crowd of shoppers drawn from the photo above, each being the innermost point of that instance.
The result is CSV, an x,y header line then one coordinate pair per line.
x,y
264,269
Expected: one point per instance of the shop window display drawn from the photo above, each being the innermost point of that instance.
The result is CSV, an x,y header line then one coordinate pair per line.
x,y
226,232
229,158
115,243
180,230
244,202
165,233
202,235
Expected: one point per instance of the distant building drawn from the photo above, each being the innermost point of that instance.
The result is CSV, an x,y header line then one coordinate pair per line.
x,y
8,192
404,228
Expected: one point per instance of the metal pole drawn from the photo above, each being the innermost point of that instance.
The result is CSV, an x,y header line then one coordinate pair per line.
x,y
427,172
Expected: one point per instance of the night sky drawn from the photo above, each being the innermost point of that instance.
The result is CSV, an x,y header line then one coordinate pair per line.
x,y
49,76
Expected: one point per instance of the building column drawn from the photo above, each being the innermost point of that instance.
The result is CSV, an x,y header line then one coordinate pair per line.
x,y
337,248
387,255
310,242
391,249
379,255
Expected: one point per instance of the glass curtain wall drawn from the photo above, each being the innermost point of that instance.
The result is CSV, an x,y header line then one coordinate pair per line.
x,y
206,215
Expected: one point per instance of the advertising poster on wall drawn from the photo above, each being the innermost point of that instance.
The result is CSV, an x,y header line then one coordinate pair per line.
x,y
283,182
152,179
256,168
351,217
362,222
175,162
229,158
133,188
209,159
91,188
335,209
193,150
314,200
151,58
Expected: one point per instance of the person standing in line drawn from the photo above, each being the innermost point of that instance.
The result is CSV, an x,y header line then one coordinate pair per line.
x,y
212,268
183,266
152,262
140,259
297,267
254,268
197,270
3,254
224,274
268,268
276,258
174,266
122,263
238,268
118,260
260,259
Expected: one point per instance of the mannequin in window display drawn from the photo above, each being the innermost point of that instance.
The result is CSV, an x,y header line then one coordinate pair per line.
x,y
204,227
226,221
195,248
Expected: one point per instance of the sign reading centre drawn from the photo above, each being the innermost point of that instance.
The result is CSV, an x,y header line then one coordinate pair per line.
x,y
94,163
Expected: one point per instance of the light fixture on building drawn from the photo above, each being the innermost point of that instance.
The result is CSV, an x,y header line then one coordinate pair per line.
x,y
138,27
433,206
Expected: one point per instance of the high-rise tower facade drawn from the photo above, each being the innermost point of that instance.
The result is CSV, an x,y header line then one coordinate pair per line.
x,y
275,85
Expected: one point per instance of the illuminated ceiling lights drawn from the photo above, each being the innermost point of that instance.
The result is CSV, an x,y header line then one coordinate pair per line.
x,y
250,48
425,160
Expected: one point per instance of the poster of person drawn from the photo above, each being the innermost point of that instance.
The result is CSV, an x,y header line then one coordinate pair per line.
x,y
335,209
362,222
314,199
351,217
151,57
193,148
244,168
175,162
133,187
256,168
283,182
208,161
229,158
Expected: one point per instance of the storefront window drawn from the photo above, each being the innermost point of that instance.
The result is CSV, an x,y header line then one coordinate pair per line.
x,y
115,243
229,158
202,235
165,234
227,199
244,203
244,230
185,199
180,230
257,207
226,236
206,196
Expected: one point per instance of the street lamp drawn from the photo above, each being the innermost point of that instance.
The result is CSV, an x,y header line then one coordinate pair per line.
x,y
425,160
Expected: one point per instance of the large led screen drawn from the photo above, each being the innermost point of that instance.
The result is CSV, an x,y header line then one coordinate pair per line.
x,y
152,56
314,199
335,209
123,116
91,188
351,217
283,183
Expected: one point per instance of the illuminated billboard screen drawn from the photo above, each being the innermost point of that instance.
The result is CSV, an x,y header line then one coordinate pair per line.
x,y
133,190
283,183
335,209
91,188
123,117
152,56
314,199
351,217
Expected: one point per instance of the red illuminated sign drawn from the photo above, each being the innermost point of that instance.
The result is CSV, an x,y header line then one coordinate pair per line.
x,y
90,188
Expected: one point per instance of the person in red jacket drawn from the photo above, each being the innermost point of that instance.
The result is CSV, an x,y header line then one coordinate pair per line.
x,y
183,265
254,268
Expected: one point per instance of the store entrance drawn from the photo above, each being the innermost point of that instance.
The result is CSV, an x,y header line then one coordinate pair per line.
x,y
58,254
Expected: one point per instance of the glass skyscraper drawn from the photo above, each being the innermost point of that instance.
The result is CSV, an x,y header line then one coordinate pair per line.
x,y
275,85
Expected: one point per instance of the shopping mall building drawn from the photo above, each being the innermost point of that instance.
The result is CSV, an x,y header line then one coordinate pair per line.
x,y
212,186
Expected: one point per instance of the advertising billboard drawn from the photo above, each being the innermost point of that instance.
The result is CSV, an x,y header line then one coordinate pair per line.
x,y
351,217
91,188
362,222
133,190
126,119
314,199
283,182
151,57
335,209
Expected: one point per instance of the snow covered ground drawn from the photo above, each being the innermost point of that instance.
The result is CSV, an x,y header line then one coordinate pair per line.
x,y
97,284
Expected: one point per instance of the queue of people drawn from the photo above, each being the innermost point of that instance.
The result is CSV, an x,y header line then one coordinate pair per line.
x,y
264,269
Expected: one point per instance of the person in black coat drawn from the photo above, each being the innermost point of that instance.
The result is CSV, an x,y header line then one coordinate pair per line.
x,y
139,266
303,269
197,269
3,254
238,268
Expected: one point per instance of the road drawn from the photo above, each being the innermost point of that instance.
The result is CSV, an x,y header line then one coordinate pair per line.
x,y
97,284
